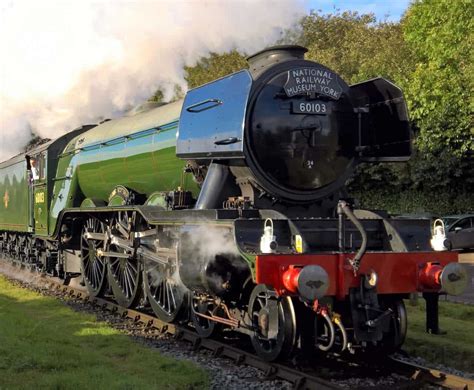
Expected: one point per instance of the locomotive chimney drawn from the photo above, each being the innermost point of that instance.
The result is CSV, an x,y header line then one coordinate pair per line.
x,y
259,62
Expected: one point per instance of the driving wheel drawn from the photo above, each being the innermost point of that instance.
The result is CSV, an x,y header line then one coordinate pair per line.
x,y
93,267
163,288
124,267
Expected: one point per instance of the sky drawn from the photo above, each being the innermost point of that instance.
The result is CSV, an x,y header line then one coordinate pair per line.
x,y
390,10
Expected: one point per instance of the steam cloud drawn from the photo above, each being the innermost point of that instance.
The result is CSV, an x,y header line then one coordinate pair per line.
x,y
207,242
12,272
203,246
67,63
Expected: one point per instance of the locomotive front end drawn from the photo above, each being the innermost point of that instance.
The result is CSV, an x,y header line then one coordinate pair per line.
x,y
291,130
275,145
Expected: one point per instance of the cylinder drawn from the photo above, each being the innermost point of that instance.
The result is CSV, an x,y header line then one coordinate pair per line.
x,y
209,260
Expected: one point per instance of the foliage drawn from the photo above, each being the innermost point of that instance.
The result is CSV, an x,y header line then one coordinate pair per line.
x,y
439,92
439,184
45,344
425,171
356,46
157,97
213,67
437,202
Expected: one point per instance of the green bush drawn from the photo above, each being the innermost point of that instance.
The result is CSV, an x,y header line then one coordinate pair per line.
x,y
434,202
439,184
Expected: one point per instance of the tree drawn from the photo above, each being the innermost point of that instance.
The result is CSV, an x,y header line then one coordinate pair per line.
x,y
213,67
157,97
439,94
358,47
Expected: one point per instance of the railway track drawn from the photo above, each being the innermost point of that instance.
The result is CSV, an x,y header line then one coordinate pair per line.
x,y
414,376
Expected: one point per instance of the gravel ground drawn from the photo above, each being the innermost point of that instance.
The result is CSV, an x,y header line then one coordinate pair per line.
x,y
391,380
223,372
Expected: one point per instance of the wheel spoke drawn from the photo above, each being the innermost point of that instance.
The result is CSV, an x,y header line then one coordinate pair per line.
x,y
161,292
153,291
135,269
87,267
172,297
130,279
130,284
97,273
123,283
100,270
95,279
93,267
114,261
167,304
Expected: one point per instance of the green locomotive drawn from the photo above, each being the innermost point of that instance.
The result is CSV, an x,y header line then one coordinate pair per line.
x,y
228,208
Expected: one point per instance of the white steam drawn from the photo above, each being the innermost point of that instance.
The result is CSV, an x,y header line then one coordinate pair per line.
x,y
208,242
66,63
15,273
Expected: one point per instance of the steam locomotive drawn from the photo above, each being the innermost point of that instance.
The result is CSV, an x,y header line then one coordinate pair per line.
x,y
227,209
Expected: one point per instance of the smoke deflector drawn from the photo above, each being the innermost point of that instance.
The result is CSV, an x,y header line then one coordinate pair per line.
x,y
212,119
384,130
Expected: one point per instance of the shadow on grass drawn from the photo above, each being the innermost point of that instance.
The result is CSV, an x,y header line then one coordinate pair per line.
x,y
45,344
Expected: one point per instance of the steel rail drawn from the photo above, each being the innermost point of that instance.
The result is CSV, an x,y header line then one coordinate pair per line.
x,y
430,375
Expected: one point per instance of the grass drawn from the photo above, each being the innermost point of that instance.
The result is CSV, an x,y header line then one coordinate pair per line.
x,y
46,345
456,348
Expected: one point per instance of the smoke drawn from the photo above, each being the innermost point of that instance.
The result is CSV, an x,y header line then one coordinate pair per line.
x,y
66,63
